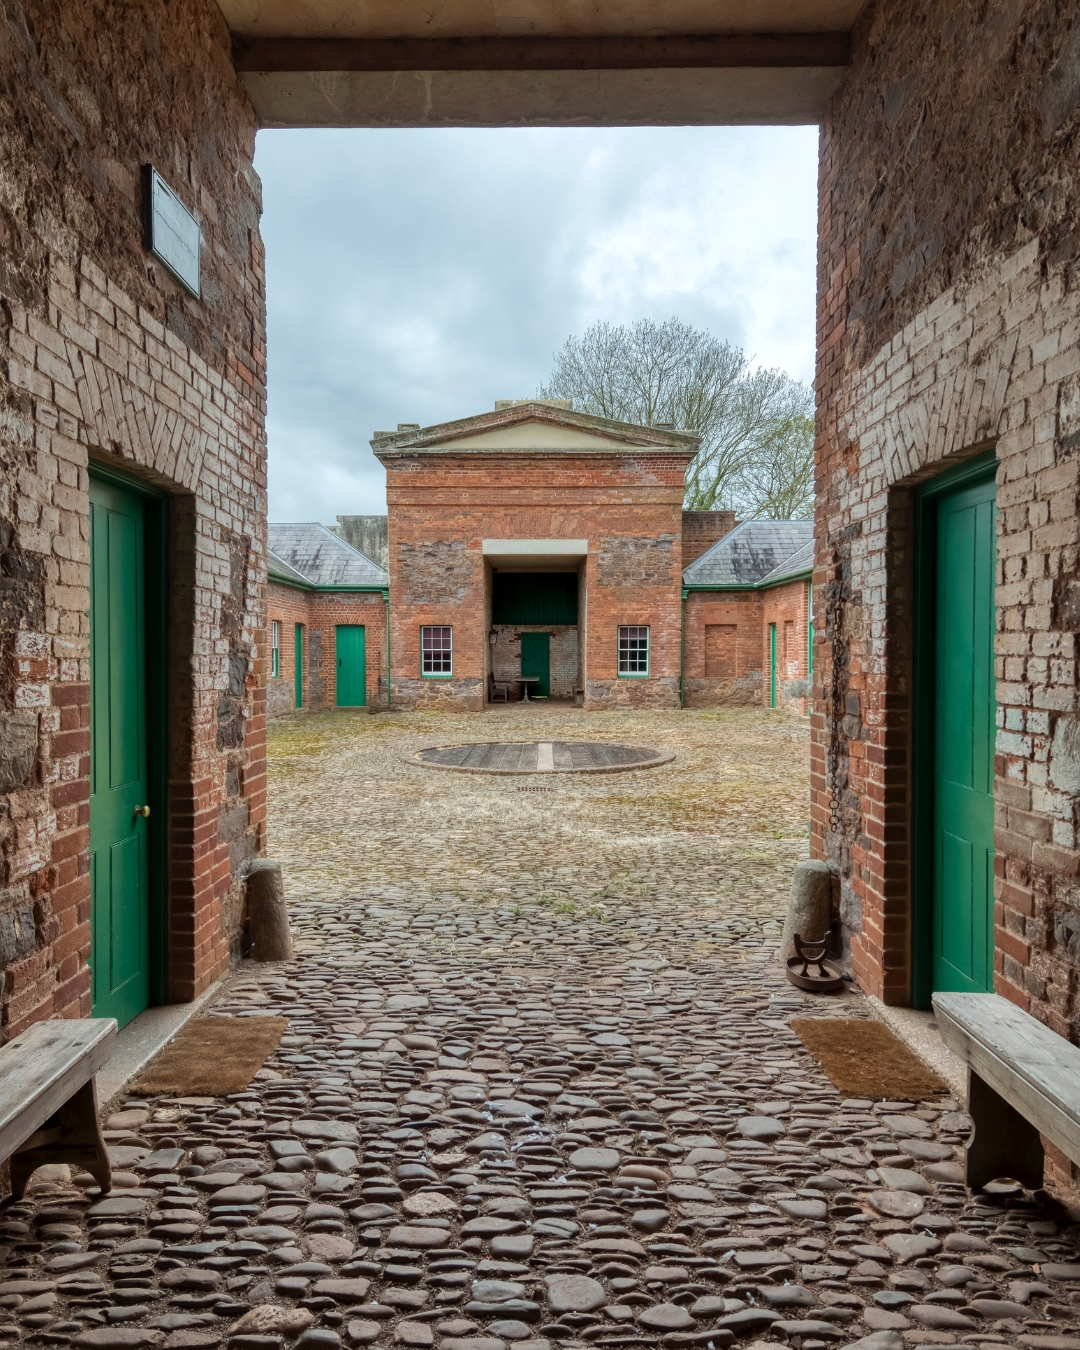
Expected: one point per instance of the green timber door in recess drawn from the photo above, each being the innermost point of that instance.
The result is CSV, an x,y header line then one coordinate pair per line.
x,y
298,665
536,660
119,828
962,831
351,683
772,665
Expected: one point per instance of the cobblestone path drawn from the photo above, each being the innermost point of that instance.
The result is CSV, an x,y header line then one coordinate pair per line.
x,y
599,1136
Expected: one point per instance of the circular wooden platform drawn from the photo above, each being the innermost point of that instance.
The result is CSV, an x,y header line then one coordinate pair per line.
x,y
539,757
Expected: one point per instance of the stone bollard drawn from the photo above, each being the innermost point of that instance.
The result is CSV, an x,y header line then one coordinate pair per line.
x,y
810,908
268,919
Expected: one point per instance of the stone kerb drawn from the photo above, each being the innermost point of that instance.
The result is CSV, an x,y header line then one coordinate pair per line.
x,y
517,758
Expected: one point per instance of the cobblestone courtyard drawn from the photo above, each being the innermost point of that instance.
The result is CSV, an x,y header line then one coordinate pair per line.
x,y
537,1089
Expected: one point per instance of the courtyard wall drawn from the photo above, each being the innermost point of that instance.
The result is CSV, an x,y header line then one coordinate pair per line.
x,y
723,648
948,324
105,358
788,607
320,612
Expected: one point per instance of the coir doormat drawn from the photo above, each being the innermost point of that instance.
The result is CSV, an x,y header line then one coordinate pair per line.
x,y
865,1059
211,1056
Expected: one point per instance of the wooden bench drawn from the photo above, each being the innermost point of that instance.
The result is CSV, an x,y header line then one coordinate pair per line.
x,y
1023,1082
48,1101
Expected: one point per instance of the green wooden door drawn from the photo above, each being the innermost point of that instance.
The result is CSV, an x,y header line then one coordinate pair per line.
x,y
119,829
536,660
772,665
962,934
298,665
351,681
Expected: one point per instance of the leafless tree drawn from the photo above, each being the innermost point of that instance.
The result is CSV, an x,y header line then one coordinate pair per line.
x,y
654,374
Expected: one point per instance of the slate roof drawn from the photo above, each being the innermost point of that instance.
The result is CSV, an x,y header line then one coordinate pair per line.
x,y
750,553
322,558
800,564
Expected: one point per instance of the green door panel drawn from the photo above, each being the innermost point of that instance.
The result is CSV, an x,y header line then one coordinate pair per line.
x,y
351,679
119,838
536,660
962,930
298,665
772,665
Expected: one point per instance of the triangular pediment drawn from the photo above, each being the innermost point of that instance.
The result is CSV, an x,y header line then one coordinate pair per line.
x,y
535,427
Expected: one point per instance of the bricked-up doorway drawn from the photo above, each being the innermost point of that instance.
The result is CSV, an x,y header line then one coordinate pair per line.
x,y
127,737
954,732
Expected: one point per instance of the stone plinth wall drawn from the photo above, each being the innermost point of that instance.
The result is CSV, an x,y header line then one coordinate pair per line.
x,y
948,323
104,358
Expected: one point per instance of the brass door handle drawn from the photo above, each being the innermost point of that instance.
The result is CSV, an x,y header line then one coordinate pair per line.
x,y
143,811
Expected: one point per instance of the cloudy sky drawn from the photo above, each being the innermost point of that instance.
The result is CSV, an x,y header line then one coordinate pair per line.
x,y
417,276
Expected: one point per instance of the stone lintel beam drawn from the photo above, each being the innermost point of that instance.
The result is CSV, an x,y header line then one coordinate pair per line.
x,y
688,52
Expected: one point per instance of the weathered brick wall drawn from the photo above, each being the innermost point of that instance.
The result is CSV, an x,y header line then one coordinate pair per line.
x,y
787,607
364,607
948,322
442,507
702,529
723,651
320,613
565,656
104,357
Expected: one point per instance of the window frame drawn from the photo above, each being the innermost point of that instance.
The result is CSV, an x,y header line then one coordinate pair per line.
x,y
436,674
275,649
627,628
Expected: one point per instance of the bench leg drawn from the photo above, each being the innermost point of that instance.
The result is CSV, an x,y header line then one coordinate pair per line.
x,y
1003,1143
72,1136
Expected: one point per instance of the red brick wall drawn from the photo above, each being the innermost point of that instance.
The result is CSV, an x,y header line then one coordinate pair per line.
x,y
320,613
714,673
702,529
787,607
947,319
442,506
104,357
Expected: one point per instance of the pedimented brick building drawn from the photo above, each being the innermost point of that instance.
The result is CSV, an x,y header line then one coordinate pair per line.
x,y
535,547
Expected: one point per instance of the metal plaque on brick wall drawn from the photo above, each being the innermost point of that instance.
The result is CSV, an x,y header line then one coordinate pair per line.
x,y
172,232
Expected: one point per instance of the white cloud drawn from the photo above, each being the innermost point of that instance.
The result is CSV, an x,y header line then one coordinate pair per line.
x,y
420,275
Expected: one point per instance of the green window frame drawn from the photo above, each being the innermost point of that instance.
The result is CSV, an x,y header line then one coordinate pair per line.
x,y
635,651
275,649
437,652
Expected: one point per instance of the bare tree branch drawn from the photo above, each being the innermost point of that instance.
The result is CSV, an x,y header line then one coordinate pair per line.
x,y
748,421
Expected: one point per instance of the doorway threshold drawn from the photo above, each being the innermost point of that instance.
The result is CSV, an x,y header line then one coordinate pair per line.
x,y
918,1030
138,1042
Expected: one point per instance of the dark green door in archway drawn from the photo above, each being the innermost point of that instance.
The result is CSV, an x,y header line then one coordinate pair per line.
x,y
536,660
962,933
351,681
119,828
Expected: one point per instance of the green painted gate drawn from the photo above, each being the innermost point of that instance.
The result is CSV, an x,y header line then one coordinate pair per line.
x,y
351,678
955,713
119,776
536,660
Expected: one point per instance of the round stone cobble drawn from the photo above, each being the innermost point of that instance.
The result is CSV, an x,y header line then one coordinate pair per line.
x,y
561,1135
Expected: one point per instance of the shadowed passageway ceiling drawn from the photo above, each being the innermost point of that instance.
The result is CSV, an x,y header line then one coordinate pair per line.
x,y
538,62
